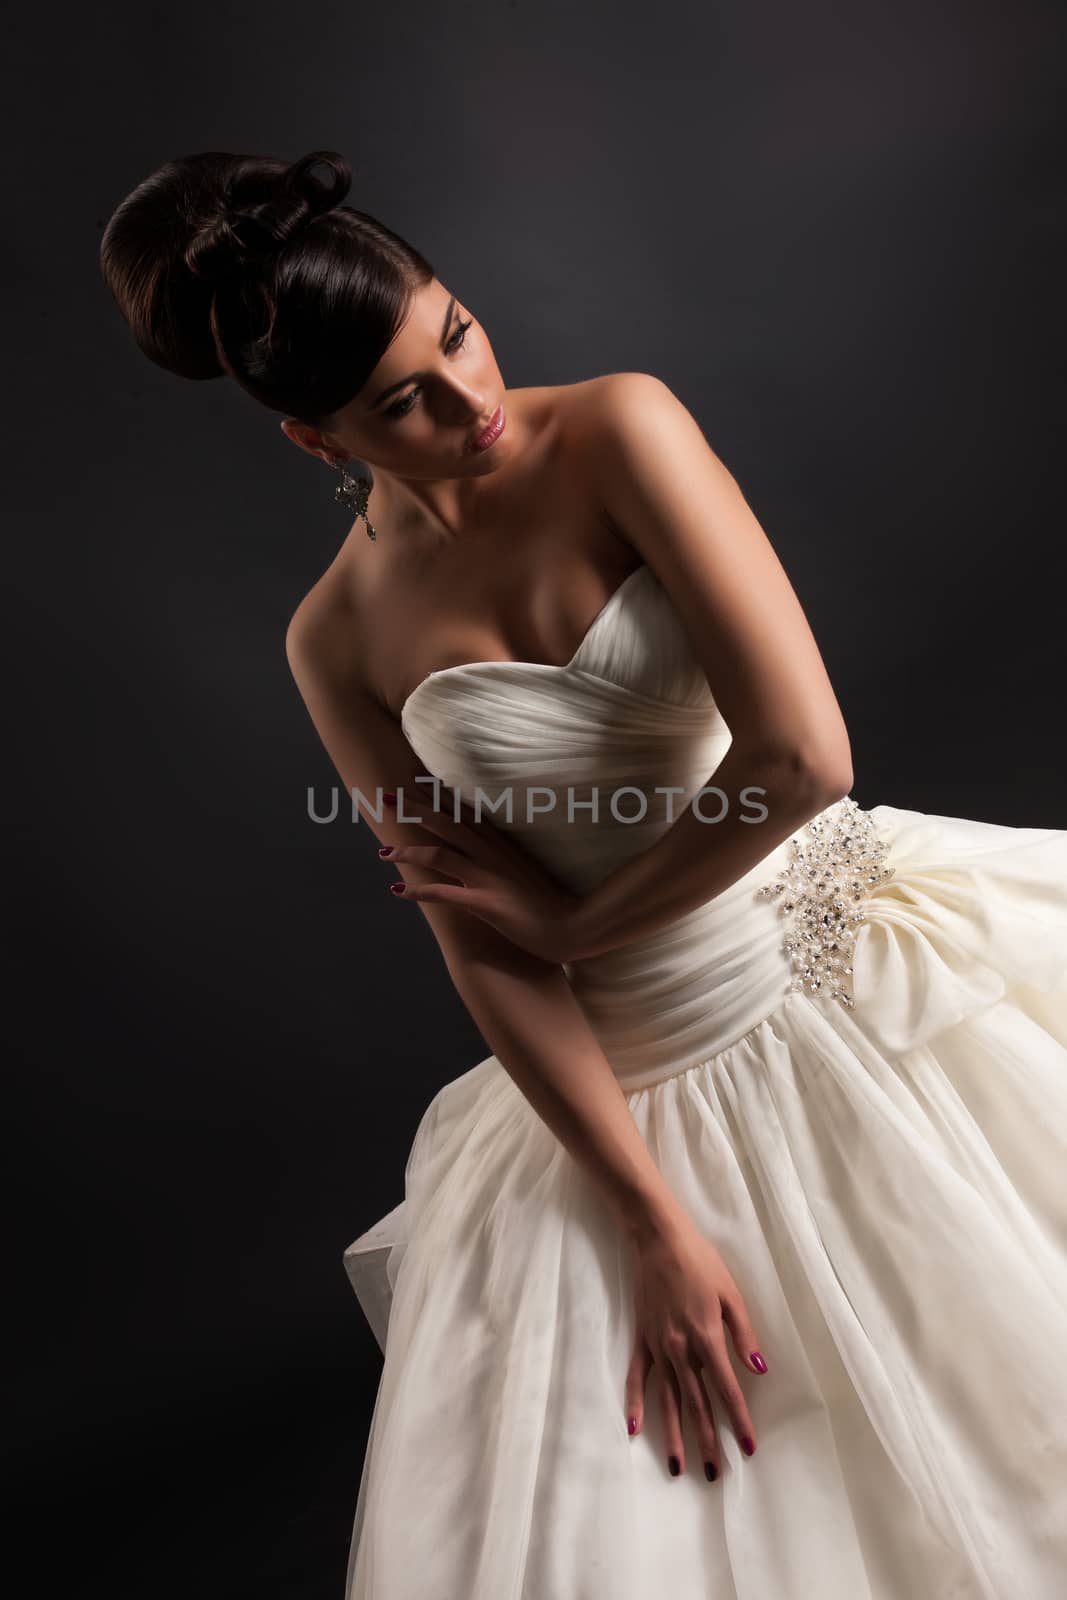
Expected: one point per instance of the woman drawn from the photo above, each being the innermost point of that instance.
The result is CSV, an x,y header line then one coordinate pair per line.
x,y
767,1160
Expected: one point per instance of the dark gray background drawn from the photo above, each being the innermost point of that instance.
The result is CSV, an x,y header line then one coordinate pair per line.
x,y
836,232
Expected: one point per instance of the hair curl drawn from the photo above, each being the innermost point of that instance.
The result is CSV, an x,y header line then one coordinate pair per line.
x,y
253,267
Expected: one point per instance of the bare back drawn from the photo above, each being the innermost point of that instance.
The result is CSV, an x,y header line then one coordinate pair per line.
x,y
522,582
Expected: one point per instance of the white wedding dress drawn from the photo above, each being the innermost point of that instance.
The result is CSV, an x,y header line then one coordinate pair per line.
x,y
886,1180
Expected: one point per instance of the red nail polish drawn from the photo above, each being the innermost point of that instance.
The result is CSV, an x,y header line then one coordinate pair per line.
x,y
386,850
747,1446
758,1361
397,888
632,1425
389,797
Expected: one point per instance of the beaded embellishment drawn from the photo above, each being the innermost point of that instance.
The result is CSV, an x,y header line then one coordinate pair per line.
x,y
832,869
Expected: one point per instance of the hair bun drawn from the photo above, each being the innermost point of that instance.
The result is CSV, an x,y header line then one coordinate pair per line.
x,y
257,216
249,266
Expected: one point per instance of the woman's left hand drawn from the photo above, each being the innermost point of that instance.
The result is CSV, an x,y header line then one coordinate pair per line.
x,y
490,875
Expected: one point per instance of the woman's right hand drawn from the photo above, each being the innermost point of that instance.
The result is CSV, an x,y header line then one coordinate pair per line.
x,y
685,1298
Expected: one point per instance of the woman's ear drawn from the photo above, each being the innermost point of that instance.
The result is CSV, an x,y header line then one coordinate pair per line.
x,y
307,439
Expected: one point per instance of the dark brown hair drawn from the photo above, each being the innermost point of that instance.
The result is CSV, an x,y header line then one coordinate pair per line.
x,y
252,267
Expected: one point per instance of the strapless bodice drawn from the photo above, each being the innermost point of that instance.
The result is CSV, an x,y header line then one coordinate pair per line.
x,y
590,762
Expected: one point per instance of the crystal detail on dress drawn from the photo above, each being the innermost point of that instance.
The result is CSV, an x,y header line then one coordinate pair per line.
x,y
835,863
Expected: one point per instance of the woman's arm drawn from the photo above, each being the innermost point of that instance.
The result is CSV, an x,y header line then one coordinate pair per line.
x,y
685,1294
523,1006
671,497
693,860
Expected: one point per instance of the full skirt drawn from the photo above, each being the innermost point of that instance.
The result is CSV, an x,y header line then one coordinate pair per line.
x,y
888,1187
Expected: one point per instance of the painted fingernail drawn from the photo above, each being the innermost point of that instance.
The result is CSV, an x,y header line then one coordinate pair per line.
x,y
758,1361
386,850
632,1425
389,797
674,1466
747,1446
397,888
709,1471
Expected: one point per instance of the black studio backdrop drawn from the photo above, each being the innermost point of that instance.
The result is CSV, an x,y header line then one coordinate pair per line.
x,y
836,232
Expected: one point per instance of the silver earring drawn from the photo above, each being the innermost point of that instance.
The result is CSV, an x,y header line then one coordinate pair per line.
x,y
353,493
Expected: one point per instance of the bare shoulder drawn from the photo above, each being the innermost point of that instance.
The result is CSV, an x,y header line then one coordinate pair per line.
x,y
616,397
612,420
633,438
323,629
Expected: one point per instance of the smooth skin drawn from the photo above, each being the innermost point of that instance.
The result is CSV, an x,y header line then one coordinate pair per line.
x,y
510,555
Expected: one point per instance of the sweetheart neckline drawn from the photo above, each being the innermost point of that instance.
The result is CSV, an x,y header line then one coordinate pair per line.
x,y
547,666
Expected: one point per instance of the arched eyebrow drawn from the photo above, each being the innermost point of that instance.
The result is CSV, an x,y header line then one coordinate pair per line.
x,y
412,376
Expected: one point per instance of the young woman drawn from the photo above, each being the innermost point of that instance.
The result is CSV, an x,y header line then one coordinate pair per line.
x,y
740,1266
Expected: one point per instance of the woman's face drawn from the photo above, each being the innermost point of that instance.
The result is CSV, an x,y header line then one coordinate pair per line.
x,y
435,388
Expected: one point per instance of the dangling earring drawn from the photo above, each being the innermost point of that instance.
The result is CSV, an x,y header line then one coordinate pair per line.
x,y
353,493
